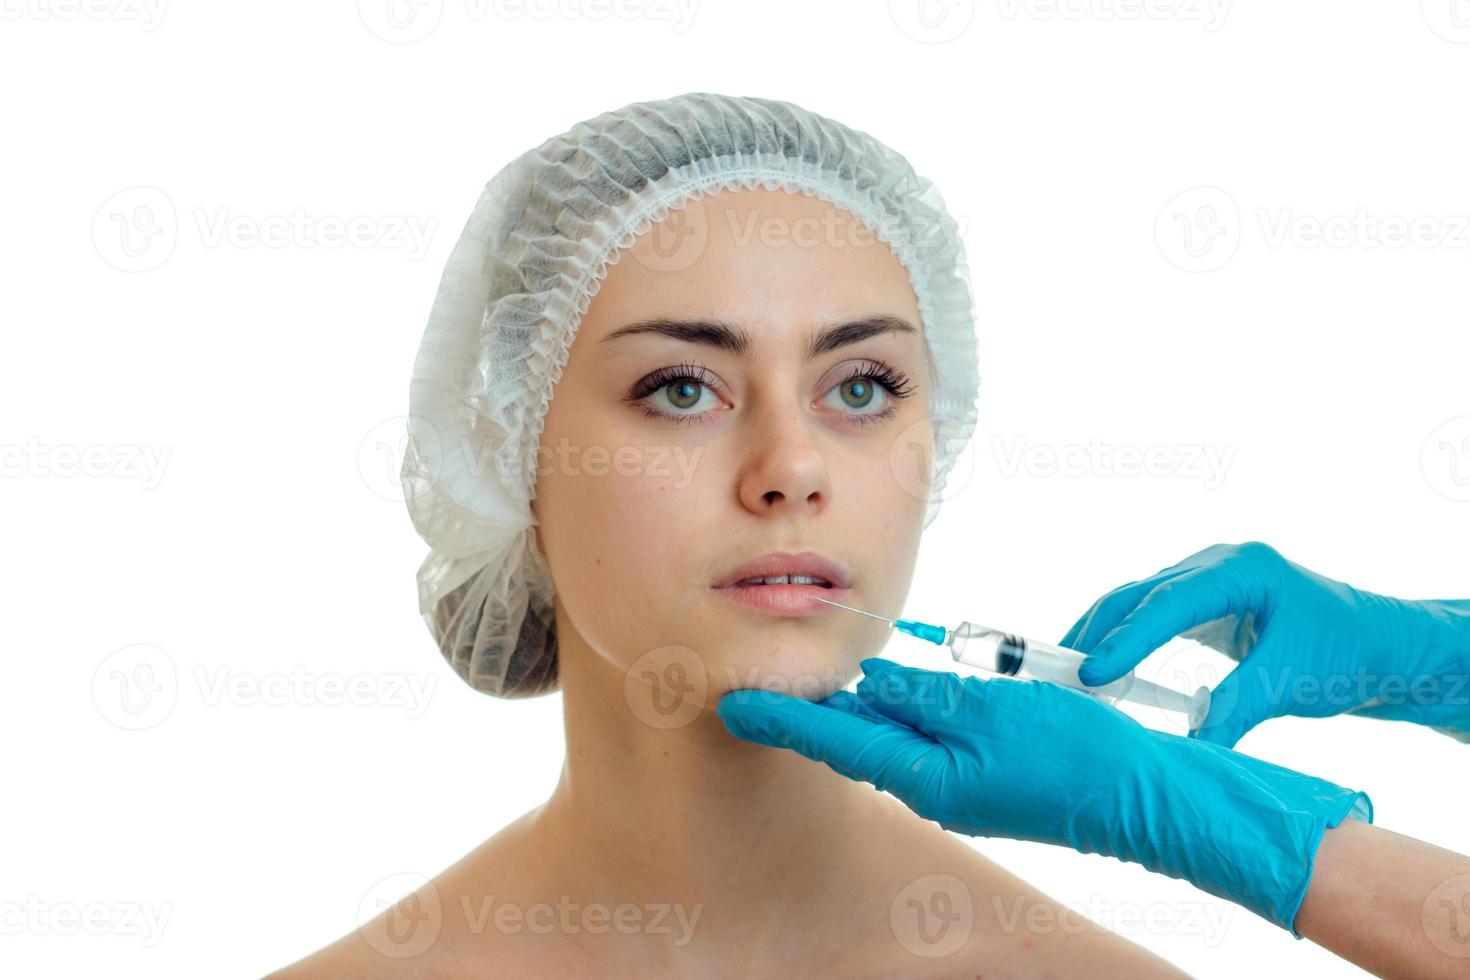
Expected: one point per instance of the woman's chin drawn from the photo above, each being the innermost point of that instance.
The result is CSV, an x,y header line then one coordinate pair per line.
x,y
794,672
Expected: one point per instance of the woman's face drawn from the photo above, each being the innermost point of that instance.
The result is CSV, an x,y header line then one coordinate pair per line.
x,y
738,418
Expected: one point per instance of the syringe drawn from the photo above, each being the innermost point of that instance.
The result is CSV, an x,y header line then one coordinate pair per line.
x,y
1012,655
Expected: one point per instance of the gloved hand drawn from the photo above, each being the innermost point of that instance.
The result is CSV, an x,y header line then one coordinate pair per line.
x,y
1307,644
1031,760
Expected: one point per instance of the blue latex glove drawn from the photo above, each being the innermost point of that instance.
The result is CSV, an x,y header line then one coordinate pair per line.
x,y
1307,644
1030,760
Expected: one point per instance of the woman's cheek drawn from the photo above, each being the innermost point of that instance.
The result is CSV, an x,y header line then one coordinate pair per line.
x,y
652,515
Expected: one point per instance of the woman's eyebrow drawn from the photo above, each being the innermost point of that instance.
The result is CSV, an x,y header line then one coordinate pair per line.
x,y
726,336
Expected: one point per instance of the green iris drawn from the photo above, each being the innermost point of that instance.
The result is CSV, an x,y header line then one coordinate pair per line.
x,y
678,393
857,392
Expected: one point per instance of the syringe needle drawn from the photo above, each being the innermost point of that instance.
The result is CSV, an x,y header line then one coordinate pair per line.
x,y
858,611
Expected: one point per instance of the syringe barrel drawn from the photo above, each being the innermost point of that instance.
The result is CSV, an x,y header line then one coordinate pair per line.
x,y
1005,653
987,649
1059,665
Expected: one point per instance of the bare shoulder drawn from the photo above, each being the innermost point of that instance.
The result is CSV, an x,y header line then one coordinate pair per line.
x,y
955,913
427,934
935,908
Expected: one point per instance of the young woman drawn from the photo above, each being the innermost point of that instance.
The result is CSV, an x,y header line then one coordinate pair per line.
x,y
694,364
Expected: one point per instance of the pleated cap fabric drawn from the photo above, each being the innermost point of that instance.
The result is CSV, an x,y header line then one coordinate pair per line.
x,y
521,277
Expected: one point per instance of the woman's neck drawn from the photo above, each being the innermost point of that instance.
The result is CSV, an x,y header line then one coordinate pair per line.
x,y
689,814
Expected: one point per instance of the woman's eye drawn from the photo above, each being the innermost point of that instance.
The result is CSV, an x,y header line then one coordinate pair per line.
x,y
860,395
683,397
689,393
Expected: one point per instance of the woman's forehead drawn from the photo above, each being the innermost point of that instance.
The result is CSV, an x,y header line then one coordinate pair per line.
x,y
777,237
769,261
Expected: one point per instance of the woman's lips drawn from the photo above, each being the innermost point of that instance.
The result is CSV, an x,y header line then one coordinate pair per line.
x,y
784,600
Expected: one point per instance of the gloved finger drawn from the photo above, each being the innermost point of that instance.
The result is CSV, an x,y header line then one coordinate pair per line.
x,y
1102,614
858,747
1386,712
871,665
1108,611
1242,700
1171,607
1441,716
929,701
852,704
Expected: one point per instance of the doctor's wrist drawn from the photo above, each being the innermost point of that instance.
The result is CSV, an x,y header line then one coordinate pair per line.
x,y
1244,829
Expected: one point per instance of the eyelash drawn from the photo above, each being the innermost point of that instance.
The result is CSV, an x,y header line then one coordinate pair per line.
x,y
895,383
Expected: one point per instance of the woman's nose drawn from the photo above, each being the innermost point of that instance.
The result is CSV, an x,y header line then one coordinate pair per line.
x,y
786,471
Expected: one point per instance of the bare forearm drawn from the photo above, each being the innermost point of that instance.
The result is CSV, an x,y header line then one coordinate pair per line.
x,y
1389,903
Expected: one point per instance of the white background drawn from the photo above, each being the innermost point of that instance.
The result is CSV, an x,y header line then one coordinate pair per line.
x,y
266,378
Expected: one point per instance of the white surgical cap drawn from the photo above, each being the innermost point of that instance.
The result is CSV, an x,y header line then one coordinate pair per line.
x,y
521,277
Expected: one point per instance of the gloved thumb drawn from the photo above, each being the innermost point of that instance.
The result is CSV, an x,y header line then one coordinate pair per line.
x,y
927,701
855,744
1238,703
